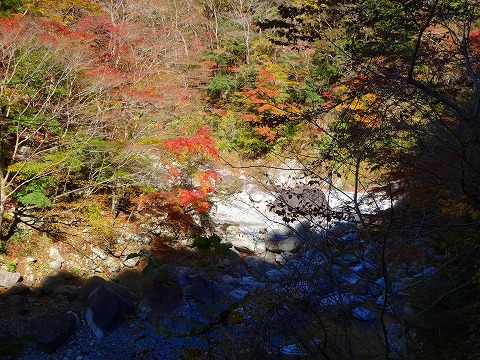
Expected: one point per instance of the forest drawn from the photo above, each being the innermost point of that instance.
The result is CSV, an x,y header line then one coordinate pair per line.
x,y
120,114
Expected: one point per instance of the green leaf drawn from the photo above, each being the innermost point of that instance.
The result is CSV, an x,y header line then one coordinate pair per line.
x,y
36,198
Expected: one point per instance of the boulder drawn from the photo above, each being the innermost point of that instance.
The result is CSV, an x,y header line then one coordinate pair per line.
x,y
50,283
202,294
286,244
18,289
257,265
8,279
106,305
57,259
284,258
69,291
179,305
48,331
161,297
243,243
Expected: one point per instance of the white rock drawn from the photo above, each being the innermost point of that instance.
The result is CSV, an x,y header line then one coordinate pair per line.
x,y
257,193
99,252
260,247
8,278
55,265
132,262
113,264
289,244
243,243
283,258
55,254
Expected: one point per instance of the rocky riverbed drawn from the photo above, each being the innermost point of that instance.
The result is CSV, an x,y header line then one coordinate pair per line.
x,y
259,297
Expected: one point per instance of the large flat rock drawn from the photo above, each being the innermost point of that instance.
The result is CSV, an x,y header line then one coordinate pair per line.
x,y
8,279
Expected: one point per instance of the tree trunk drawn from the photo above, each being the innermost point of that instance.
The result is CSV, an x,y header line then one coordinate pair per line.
x,y
2,211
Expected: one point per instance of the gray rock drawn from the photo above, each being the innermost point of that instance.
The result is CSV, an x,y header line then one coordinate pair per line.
x,y
378,287
260,247
380,303
284,258
368,265
347,260
288,244
227,279
353,236
243,243
55,254
202,293
50,283
247,281
253,262
274,275
161,297
29,276
8,279
360,313
48,331
257,193
132,262
133,281
106,305
293,350
16,300
180,305
224,263
238,294
55,265
18,289
113,264
99,253
428,272
397,288
69,291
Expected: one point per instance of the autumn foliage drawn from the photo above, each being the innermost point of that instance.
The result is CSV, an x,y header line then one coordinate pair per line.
x,y
189,182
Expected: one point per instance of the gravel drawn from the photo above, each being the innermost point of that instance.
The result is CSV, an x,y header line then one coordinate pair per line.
x,y
135,339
